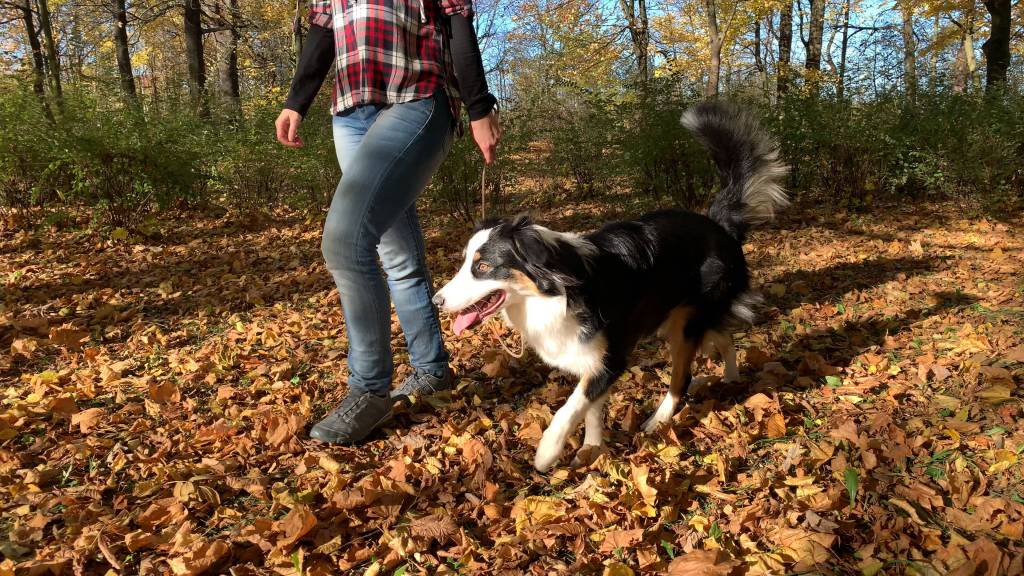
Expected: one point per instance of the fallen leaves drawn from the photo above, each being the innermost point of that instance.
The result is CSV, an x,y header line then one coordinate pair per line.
x,y
153,416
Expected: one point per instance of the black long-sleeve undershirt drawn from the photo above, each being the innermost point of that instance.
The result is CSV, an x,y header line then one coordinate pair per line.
x,y
469,69
318,55
314,64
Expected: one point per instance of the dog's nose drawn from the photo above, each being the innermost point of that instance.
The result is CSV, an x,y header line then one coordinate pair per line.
x,y
438,300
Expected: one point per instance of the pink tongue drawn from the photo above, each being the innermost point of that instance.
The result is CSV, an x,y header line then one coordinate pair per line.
x,y
464,320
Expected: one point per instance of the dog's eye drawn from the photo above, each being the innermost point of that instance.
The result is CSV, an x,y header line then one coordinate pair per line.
x,y
483,267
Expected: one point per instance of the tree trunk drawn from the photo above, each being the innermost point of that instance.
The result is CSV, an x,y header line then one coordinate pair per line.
x,y
785,46
297,30
841,89
965,65
762,72
909,50
227,54
933,75
997,47
193,28
817,33
38,64
52,57
639,34
715,48
124,57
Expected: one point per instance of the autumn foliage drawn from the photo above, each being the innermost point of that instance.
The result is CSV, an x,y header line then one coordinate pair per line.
x,y
158,392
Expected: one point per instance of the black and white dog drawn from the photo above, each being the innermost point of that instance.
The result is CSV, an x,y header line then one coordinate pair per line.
x,y
584,301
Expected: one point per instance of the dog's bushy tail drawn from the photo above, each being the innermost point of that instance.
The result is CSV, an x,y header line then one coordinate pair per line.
x,y
748,162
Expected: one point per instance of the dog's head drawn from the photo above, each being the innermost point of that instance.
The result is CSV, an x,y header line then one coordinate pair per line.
x,y
506,262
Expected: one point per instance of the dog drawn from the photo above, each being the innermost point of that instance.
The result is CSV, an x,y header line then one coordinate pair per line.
x,y
582,302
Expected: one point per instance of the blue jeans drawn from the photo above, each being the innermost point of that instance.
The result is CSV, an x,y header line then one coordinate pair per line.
x,y
388,155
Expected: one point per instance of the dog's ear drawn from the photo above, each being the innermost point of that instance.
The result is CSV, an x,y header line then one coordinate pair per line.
x,y
536,253
489,223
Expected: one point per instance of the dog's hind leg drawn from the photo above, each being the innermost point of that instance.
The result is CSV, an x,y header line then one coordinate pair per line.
x,y
594,423
723,342
683,348
593,435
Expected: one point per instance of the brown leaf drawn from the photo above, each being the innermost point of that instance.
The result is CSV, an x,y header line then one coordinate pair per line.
x,y
703,563
776,426
497,366
439,528
295,525
199,559
647,492
1016,354
166,391
624,539
24,347
70,338
86,420
805,548
476,452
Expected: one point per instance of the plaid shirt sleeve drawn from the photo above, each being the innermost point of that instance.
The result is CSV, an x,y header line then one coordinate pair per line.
x,y
321,13
459,7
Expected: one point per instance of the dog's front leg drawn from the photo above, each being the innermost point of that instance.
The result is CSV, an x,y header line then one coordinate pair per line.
x,y
562,425
586,400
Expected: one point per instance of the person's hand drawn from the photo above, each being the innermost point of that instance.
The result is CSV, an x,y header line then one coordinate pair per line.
x,y
288,128
487,134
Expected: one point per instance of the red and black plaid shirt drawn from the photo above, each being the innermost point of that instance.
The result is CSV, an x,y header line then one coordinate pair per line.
x,y
389,51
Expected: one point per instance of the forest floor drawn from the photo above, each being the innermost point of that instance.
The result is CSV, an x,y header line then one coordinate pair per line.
x,y
156,394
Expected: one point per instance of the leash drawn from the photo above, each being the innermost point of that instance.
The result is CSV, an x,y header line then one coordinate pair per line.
x,y
483,193
493,322
497,335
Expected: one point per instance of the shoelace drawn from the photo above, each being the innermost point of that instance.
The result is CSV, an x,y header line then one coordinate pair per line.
x,y
349,404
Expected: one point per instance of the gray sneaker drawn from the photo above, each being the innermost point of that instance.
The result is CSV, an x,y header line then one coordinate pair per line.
x,y
359,414
423,384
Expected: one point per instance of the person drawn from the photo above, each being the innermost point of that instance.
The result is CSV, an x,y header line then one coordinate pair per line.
x,y
403,67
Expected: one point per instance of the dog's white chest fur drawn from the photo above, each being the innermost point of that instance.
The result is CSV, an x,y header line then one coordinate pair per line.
x,y
554,334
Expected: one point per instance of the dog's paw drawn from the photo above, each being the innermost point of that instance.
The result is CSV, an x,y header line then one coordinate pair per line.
x,y
653,422
548,452
663,414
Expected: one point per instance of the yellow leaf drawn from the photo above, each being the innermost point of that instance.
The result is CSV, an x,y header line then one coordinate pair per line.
x,y
669,454
804,491
871,568
995,394
617,569
119,235
699,523
329,464
534,511
1003,460
954,435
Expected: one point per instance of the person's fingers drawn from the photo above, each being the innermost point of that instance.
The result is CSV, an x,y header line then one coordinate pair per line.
x,y
293,128
282,133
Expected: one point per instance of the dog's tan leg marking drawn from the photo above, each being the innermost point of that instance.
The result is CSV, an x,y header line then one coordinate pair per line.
x,y
594,422
683,352
723,343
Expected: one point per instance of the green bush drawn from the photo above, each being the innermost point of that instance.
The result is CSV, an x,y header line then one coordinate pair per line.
x,y
120,162
942,145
